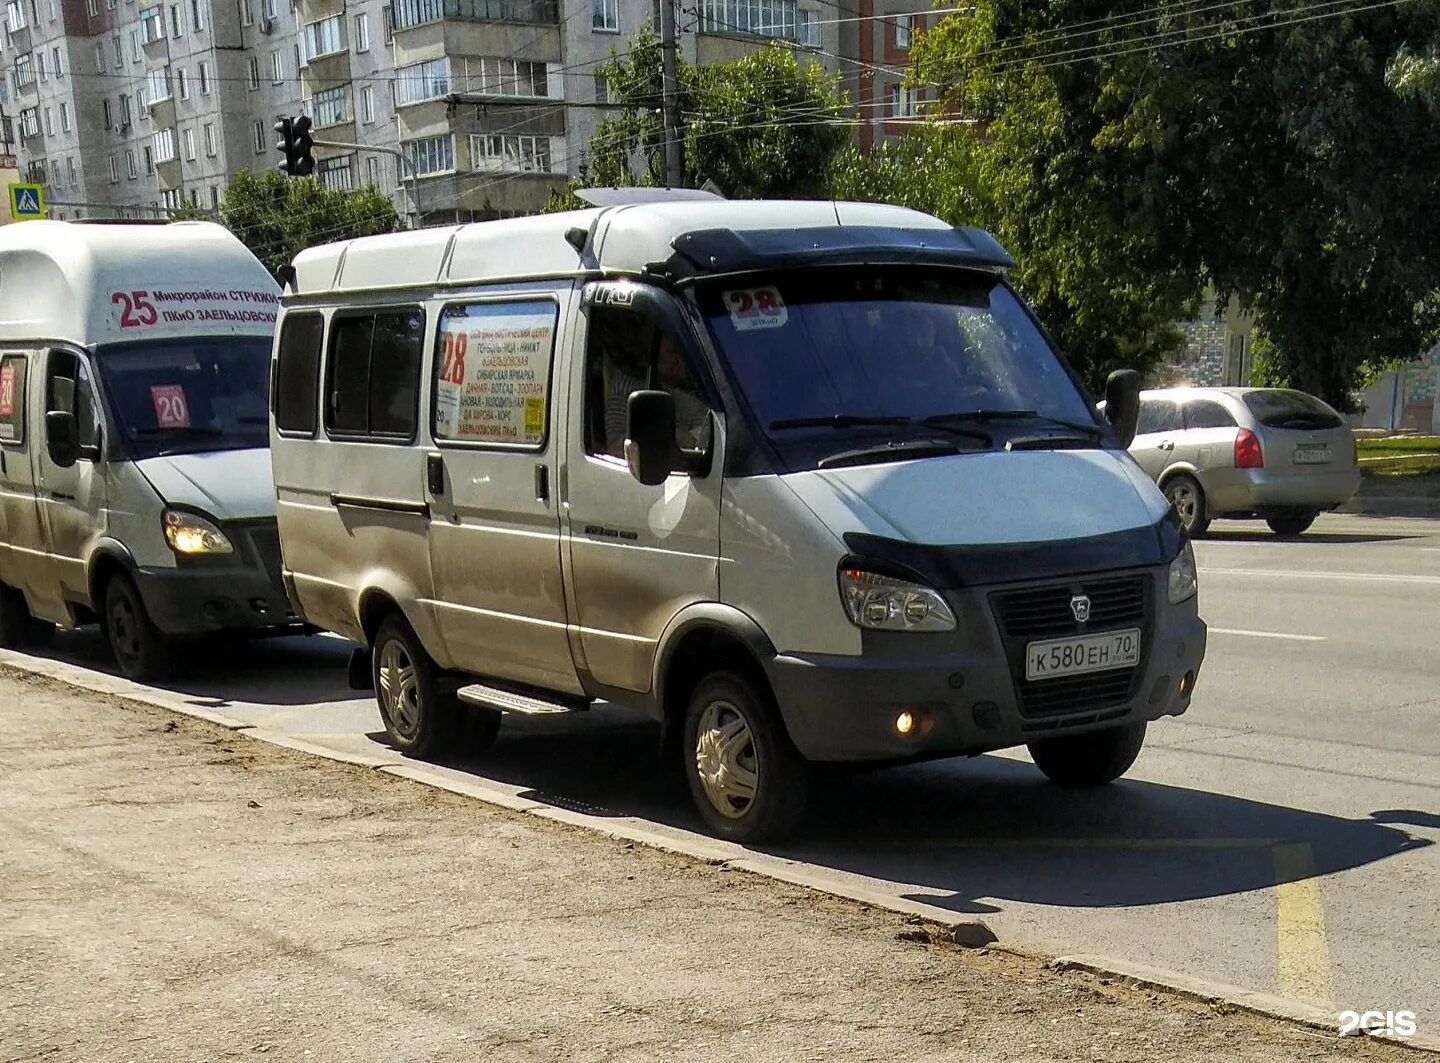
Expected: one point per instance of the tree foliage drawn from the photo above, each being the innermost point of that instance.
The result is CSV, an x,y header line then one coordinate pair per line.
x,y
762,126
1291,162
277,217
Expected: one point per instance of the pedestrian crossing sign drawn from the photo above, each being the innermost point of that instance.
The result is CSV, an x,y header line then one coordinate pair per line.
x,y
27,202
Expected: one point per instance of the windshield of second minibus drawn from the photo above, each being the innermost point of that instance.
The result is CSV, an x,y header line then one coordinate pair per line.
x,y
188,396
893,352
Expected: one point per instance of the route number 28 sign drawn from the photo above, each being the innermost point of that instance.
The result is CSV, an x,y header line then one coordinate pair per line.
x,y
756,308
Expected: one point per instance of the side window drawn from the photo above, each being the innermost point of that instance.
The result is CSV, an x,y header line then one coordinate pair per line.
x,y
71,388
1158,415
1206,413
374,373
492,372
12,398
626,352
297,374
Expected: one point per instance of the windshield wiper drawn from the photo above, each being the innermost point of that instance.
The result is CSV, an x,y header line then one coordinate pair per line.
x,y
908,450
838,420
1094,431
155,430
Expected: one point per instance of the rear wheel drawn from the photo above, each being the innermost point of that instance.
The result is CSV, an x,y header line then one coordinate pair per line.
x,y
137,644
1188,499
1092,759
422,719
18,629
746,778
1292,524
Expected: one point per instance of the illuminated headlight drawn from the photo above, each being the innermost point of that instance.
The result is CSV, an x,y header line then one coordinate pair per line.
x,y
192,534
888,604
1183,581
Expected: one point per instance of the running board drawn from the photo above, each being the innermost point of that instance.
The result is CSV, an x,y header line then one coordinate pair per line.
x,y
482,696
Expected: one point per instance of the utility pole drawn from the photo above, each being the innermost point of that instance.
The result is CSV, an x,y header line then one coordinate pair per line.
x,y
670,104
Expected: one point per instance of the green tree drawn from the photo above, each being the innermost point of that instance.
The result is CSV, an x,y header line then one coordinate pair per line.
x,y
1285,159
762,126
277,217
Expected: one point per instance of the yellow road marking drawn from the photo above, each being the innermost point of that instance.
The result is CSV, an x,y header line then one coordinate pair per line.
x,y
1302,959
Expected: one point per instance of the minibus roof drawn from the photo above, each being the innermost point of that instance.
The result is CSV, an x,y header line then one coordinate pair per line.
x,y
683,239
116,283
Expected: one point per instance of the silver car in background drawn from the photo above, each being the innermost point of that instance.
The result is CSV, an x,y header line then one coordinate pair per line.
x,y
1270,453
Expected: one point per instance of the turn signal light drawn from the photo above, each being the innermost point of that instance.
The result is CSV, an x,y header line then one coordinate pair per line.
x,y
1247,451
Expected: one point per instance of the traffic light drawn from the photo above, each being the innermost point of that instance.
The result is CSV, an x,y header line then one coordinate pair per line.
x,y
296,145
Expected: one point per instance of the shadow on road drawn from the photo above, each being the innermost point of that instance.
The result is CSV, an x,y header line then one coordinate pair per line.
x,y
292,670
1218,533
971,834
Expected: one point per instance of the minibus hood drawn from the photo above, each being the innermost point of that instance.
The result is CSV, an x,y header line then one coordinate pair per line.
x,y
225,484
991,498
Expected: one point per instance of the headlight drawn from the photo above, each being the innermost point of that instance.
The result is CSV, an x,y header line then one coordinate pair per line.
x,y
192,534
888,604
1183,581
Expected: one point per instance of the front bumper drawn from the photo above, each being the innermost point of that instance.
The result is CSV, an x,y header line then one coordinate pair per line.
x,y
962,689
240,591
1257,490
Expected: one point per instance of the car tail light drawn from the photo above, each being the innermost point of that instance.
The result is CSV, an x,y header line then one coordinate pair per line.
x,y
1247,451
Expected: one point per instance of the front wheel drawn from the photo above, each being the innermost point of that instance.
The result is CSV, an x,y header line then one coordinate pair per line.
x,y
1092,759
1188,499
137,644
746,778
1292,524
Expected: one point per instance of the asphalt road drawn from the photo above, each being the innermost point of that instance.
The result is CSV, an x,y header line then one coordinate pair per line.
x,y
1279,837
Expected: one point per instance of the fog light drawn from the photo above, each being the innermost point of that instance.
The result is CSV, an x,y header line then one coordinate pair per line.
x,y
905,723
1187,683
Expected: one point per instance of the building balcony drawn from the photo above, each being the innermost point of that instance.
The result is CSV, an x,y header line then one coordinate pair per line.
x,y
411,13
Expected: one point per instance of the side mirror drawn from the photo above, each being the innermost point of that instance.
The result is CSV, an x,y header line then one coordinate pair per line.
x,y
650,448
1122,403
62,436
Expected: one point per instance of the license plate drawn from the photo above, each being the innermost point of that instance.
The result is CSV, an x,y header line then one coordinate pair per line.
x,y
1082,653
1312,453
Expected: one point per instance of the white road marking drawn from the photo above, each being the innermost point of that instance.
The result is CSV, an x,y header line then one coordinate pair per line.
x,y
1267,634
1277,573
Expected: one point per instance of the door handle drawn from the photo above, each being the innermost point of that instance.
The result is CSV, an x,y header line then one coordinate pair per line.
x,y
1167,445
542,483
435,474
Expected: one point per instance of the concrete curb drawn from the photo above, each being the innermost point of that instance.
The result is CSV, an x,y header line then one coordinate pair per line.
x,y
726,855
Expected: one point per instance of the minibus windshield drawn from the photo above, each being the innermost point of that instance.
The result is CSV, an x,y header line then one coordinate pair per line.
x,y
831,359
188,396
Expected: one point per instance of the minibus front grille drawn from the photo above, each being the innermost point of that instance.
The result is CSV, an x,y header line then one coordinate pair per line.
x,y
1076,693
1043,612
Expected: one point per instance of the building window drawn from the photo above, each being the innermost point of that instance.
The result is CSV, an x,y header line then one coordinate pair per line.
x,y
114,169
765,18
209,134
214,197
270,8
171,199
15,16
149,155
135,54
277,68
157,86
372,171
124,112
30,122
809,26
422,81
902,31
431,155
70,169
57,68
152,23
24,70
408,13
100,57
330,107
367,105
336,174
105,111
119,51
202,74
49,123
177,21
247,13
903,102
92,7
513,153
387,21
130,166
503,77
197,15
40,66
254,72
362,33
182,83
605,16
187,138
259,138
164,141
64,117
323,38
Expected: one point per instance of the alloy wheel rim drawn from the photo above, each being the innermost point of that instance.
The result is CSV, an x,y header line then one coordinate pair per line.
x,y
1183,499
123,636
726,761
399,688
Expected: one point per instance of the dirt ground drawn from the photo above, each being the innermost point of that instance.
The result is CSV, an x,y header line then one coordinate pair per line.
x,y
170,890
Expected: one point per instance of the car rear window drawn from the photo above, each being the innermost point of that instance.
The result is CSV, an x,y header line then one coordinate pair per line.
x,y
1291,409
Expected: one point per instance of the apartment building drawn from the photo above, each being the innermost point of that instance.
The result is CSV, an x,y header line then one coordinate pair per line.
x,y
878,38
134,106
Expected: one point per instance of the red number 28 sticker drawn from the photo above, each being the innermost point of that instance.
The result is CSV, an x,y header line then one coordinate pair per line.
x,y
754,308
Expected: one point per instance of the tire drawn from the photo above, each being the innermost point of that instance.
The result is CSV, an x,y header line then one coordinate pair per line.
x,y
422,720
18,629
745,776
1092,759
1292,524
137,644
1187,498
